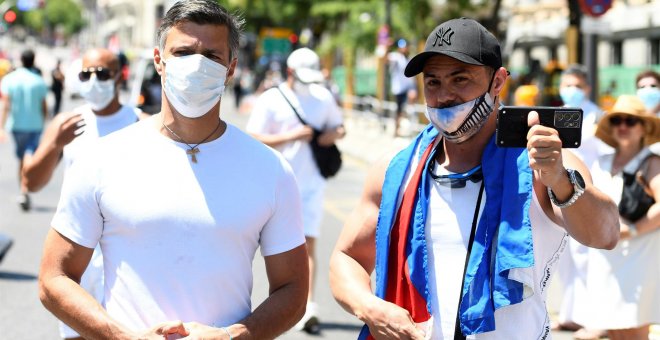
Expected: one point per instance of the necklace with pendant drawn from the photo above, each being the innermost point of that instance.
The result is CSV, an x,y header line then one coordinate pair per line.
x,y
193,150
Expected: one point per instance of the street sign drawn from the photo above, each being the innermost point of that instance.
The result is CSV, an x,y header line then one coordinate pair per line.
x,y
595,8
591,25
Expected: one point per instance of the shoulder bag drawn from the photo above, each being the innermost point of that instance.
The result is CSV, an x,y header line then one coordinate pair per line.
x,y
636,197
328,158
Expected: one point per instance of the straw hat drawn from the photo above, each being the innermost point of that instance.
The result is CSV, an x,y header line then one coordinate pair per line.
x,y
632,106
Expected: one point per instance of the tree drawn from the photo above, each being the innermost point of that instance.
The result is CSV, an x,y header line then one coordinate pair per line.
x,y
55,14
64,13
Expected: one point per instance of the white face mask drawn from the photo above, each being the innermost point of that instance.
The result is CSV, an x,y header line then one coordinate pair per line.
x,y
97,93
300,88
458,123
650,96
193,84
572,96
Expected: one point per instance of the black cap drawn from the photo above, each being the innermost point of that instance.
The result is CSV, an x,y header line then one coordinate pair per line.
x,y
462,39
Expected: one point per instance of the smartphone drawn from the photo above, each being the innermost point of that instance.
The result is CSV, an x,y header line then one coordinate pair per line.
x,y
512,124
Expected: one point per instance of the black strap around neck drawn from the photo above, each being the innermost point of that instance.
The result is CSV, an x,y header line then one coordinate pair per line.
x,y
458,333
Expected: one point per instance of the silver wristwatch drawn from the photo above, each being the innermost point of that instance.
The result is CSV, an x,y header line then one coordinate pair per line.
x,y
578,189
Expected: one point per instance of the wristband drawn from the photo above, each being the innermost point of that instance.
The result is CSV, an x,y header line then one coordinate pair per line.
x,y
227,331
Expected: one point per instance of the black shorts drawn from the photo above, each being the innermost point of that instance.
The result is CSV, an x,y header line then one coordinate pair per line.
x,y
401,99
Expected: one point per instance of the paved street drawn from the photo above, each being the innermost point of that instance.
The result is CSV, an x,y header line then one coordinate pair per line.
x,y
22,315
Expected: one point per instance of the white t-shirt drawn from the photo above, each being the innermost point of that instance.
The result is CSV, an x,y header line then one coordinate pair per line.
x,y
447,234
399,83
96,127
178,238
273,115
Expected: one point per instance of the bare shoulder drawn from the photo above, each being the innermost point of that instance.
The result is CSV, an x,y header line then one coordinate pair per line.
x,y
376,177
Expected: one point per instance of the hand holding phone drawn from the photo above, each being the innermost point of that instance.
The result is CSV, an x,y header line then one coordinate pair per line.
x,y
512,126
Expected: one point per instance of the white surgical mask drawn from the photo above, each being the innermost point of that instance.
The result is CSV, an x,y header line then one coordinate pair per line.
x,y
97,93
458,123
572,96
300,88
650,96
194,84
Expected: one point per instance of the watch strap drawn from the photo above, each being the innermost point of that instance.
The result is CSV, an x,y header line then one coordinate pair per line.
x,y
577,192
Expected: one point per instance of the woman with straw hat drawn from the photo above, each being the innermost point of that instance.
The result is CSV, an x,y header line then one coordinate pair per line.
x,y
622,283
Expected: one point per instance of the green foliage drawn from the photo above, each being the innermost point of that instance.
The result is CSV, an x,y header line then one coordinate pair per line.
x,y
34,20
353,24
64,13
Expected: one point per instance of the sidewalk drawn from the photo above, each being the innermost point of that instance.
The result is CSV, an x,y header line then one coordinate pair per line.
x,y
368,140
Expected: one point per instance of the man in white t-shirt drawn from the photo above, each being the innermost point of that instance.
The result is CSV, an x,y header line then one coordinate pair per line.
x,y
179,204
71,133
402,88
274,122
463,235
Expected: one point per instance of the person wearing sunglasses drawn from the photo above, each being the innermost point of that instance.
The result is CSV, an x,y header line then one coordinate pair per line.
x,y
623,294
71,133
180,202
464,235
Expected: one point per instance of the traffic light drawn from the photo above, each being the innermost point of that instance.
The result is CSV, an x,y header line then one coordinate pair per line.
x,y
293,38
10,16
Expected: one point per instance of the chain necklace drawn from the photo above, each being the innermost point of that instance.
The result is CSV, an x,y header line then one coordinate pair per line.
x,y
193,149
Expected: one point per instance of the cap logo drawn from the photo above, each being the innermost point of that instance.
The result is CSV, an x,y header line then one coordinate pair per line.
x,y
443,36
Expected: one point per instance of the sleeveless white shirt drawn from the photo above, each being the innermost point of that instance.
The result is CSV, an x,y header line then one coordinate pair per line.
x,y
448,226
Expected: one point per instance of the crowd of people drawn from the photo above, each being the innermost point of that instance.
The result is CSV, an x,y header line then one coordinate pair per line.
x,y
462,235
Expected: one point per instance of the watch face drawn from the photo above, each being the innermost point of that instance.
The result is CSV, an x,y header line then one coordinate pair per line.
x,y
578,178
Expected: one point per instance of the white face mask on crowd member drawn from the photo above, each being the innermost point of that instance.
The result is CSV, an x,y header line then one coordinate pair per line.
x,y
194,84
460,122
650,96
572,96
300,88
97,93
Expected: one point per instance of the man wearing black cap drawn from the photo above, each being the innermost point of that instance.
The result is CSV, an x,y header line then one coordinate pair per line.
x,y
464,235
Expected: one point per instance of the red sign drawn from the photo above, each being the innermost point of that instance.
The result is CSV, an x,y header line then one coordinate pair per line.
x,y
595,8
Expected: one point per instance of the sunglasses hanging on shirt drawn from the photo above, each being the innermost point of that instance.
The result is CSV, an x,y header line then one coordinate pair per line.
x,y
102,73
454,181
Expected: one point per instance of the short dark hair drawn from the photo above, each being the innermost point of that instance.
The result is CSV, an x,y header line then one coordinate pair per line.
x,y
577,70
646,74
202,12
27,58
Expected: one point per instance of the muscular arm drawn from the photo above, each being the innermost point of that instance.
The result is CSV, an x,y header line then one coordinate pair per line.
x,y
38,169
288,280
593,219
353,261
62,266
